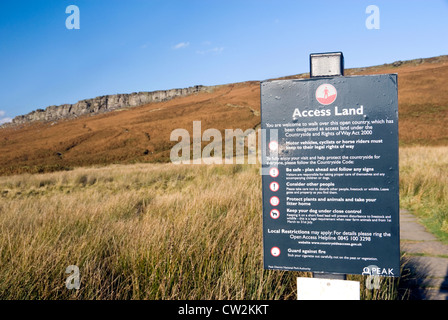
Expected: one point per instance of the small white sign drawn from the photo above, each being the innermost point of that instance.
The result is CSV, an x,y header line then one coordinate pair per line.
x,y
327,289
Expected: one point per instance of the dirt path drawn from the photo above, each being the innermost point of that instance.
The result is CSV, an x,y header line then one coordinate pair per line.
x,y
426,257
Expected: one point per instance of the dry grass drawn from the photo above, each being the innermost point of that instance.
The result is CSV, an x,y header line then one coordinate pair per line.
x,y
424,186
136,232
146,231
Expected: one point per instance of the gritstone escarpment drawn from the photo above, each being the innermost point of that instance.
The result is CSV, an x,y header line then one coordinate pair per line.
x,y
104,104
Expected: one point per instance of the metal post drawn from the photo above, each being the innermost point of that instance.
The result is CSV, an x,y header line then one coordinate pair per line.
x,y
325,275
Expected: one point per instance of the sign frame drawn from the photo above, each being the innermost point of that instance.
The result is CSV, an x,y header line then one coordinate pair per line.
x,y
284,97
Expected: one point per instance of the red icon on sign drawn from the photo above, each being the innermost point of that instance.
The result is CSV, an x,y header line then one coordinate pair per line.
x,y
275,214
274,201
273,172
275,251
274,186
326,94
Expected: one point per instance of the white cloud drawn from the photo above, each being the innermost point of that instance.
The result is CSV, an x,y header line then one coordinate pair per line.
x,y
212,50
4,119
181,45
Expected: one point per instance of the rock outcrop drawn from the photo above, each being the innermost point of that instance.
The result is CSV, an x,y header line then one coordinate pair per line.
x,y
104,104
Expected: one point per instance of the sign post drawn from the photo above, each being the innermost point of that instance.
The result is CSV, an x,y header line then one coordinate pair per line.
x,y
330,192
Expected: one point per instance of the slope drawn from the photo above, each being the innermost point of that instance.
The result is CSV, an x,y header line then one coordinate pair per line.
x,y
142,134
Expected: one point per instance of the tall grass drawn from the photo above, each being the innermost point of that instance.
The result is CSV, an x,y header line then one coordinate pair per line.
x,y
158,231
424,186
136,232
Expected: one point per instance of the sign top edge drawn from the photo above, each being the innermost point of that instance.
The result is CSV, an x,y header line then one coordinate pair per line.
x,y
327,77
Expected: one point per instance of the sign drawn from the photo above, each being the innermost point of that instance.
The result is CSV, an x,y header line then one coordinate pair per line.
x,y
330,192
326,289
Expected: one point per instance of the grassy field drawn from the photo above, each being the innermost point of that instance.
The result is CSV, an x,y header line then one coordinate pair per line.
x,y
162,231
136,232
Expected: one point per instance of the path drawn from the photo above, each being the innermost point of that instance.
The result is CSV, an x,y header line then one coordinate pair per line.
x,y
426,257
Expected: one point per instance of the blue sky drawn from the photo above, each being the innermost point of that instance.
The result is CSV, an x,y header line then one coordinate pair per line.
x,y
146,45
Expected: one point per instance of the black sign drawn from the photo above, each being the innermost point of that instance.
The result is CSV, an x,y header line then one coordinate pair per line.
x,y
330,175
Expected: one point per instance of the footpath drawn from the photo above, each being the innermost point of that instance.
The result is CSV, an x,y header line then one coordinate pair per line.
x,y
426,258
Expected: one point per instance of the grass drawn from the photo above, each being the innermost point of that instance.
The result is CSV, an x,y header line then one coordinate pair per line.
x,y
136,232
424,186
142,231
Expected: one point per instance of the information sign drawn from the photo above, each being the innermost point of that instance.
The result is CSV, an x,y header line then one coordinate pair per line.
x,y
330,192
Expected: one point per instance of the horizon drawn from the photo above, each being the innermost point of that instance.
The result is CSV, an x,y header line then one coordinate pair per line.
x,y
161,45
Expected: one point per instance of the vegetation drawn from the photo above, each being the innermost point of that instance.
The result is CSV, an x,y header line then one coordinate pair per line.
x,y
164,231
137,232
142,231
424,186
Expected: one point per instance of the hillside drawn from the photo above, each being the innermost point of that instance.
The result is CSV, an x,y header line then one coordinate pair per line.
x,y
142,134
